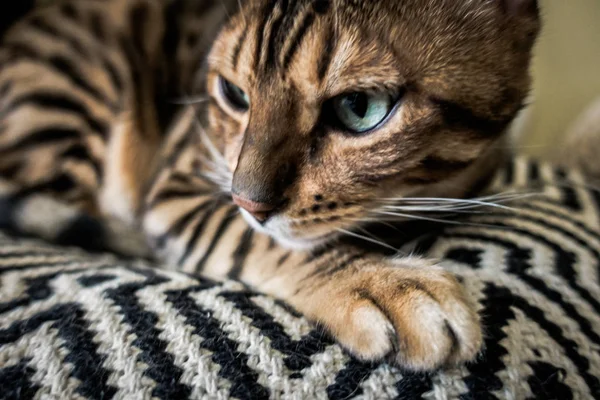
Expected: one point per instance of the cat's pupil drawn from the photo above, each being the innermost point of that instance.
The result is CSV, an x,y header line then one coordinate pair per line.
x,y
358,103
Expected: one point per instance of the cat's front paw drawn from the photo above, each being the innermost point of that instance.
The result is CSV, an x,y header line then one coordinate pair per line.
x,y
408,311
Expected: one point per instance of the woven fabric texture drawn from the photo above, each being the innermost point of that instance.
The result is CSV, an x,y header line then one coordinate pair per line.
x,y
75,325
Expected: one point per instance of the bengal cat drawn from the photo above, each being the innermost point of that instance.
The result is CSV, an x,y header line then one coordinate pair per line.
x,y
309,118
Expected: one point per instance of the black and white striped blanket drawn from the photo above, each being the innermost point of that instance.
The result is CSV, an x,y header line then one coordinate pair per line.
x,y
74,325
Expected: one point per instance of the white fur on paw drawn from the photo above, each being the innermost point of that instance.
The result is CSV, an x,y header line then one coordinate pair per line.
x,y
372,334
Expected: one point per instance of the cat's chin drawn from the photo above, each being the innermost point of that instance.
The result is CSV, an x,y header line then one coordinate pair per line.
x,y
304,243
278,230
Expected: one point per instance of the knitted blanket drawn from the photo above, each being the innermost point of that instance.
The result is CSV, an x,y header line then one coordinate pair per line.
x,y
76,325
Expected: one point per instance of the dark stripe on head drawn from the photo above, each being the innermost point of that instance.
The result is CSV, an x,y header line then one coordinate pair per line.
x,y
459,117
237,50
296,40
266,14
274,37
327,56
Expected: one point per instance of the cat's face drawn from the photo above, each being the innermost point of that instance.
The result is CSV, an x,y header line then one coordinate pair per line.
x,y
324,109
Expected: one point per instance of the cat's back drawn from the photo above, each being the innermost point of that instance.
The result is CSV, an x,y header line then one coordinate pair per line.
x,y
71,73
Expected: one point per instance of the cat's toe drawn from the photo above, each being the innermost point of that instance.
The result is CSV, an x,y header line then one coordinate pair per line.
x,y
418,318
435,324
433,333
369,335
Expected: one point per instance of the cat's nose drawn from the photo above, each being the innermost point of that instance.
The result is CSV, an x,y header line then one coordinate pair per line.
x,y
260,211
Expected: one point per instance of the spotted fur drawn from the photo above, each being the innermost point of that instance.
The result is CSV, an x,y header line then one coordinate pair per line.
x,y
86,123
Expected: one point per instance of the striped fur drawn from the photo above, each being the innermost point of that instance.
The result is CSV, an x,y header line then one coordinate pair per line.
x,y
87,129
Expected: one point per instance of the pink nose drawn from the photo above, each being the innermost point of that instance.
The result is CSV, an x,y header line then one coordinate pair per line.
x,y
260,211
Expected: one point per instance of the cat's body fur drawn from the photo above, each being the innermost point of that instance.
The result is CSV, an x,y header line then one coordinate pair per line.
x,y
82,87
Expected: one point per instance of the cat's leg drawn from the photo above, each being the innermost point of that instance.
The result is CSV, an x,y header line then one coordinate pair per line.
x,y
409,311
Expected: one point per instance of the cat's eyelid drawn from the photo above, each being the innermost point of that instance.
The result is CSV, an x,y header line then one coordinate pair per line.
x,y
229,76
393,90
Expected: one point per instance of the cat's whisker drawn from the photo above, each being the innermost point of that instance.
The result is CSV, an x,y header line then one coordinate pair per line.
x,y
207,141
369,234
241,8
406,217
418,217
225,10
437,206
217,164
457,210
455,204
477,200
368,239
507,194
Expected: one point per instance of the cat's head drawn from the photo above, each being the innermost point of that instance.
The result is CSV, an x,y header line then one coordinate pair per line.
x,y
324,108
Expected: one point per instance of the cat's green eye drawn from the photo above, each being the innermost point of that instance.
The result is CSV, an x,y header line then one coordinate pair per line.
x,y
235,96
362,112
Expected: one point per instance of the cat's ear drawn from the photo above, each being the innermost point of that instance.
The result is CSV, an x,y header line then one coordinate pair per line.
x,y
520,8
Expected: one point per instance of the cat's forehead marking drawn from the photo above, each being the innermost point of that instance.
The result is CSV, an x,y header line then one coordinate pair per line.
x,y
308,49
280,29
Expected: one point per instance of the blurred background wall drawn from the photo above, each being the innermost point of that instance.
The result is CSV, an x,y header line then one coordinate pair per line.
x,y
566,70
